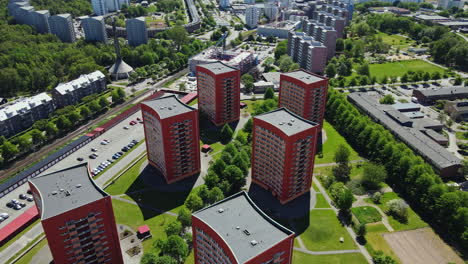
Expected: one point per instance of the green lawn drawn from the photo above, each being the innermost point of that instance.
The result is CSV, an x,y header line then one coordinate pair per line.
x,y
461,135
321,202
315,185
324,232
356,172
376,242
190,259
395,40
366,214
128,179
401,67
414,221
133,216
352,258
334,139
26,259
194,102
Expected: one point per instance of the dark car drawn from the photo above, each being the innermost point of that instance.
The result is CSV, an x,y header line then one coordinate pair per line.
x,y
120,153
92,156
125,149
10,205
22,196
29,199
79,159
29,191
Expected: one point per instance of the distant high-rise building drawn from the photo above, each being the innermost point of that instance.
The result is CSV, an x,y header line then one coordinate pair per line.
x,y
24,15
122,2
327,35
137,33
218,88
224,3
62,26
304,94
172,137
236,231
13,8
307,52
94,29
77,217
99,7
112,5
271,11
41,21
251,16
73,91
283,152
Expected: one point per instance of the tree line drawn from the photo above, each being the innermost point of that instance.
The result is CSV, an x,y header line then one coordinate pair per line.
x,y
445,207
60,123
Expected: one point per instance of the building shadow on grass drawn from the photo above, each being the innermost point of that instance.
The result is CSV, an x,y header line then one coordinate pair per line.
x,y
157,196
293,215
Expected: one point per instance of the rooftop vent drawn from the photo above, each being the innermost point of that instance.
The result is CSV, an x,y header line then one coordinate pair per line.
x,y
292,120
253,242
169,108
237,227
220,210
61,190
67,193
246,232
281,123
78,185
54,192
290,124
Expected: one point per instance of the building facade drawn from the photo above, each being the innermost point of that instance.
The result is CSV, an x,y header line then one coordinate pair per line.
x,y
172,137
236,231
224,3
62,26
251,16
137,33
304,94
72,92
99,7
310,54
218,88
283,152
77,217
271,11
40,20
22,114
95,29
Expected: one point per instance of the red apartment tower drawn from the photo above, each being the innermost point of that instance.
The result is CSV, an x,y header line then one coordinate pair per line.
x,y
172,137
283,151
305,94
77,217
236,231
219,92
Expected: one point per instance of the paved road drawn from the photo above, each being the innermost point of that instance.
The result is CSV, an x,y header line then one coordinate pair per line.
x,y
21,243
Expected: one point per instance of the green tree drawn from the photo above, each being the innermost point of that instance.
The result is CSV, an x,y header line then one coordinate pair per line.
x,y
380,258
226,133
85,112
94,106
387,99
342,196
63,123
281,49
361,230
203,193
269,94
226,157
373,175
330,70
458,80
9,150
37,136
436,75
103,102
175,247
179,35
194,202
342,172
239,162
185,217
248,81
215,195
118,95
51,130
399,209
404,78
384,79
363,69
235,177
248,126
342,154
426,76
173,229
74,117
218,166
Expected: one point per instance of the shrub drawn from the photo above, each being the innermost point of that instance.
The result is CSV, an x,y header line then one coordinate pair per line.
x,y
398,208
376,197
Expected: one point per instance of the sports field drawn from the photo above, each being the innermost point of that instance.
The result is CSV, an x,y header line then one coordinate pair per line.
x,y
401,67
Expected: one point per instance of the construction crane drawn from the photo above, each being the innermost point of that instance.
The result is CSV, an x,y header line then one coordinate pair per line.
x,y
220,49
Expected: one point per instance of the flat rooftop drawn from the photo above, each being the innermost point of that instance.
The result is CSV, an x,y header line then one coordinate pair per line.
x,y
286,121
168,106
217,67
65,190
243,226
444,91
304,76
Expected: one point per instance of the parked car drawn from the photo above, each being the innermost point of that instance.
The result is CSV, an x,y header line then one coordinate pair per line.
x,y
105,142
110,161
29,199
22,204
22,196
125,149
17,207
79,159
125,127
138,119
93,150
10,205
93,156
120,153
29,191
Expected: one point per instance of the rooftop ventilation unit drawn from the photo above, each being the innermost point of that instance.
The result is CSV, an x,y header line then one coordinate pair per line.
x,y
78,185
54,192
254,242
220,210
246,232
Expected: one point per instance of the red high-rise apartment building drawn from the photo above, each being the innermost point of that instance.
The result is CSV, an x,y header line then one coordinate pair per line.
x,y
283,152
236,231
304,94
172,137
77,217
218,88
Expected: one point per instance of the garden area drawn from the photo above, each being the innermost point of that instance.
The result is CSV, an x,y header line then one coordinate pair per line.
x,y
351,258
396,41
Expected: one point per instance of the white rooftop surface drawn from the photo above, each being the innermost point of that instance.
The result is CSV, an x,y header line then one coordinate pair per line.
x,y
23,105
286,121
232,216
304,77
168,106
83,80
65,190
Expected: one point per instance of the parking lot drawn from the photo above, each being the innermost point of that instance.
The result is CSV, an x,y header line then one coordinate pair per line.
x,y
117,136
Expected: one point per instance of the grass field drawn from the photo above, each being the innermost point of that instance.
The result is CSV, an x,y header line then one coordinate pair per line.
x,y
395,40
366,214
321,202
26,259
352,258
334,139
461,135
356,172
414,221
401,67
324,232
376,242
315,185
194,102
126,180
134,216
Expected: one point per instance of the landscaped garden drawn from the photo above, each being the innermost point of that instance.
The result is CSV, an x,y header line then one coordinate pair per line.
x,y
366,214
350,258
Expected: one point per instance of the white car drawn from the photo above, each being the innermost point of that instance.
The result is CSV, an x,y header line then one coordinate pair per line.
x,y
4,216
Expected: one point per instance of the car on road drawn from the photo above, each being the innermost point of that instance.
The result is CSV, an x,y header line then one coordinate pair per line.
x,y
22,196
133,122
125,127
93,156
93,150
79,159
105,142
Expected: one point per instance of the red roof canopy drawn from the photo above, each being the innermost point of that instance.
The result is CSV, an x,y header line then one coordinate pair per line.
x,y
143,229
189,97
18,223
206,146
